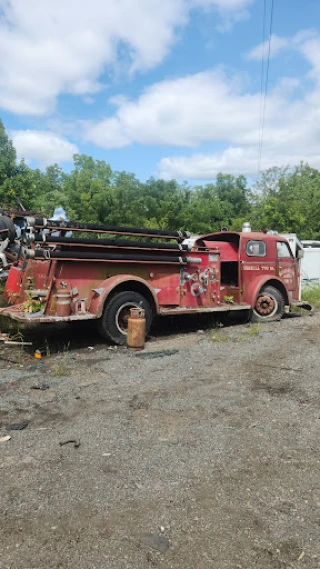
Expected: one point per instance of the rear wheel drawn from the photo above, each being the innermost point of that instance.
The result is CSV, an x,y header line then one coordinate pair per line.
x,y
113,324
269,305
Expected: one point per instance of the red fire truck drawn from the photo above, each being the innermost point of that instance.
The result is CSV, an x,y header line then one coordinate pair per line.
x,y
90,276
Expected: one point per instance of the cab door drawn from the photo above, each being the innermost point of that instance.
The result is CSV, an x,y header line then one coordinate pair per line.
x,y
288,269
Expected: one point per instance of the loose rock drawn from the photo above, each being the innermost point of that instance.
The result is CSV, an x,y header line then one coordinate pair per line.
x,y
158,542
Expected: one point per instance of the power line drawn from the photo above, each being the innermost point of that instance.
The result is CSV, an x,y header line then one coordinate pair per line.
x,y
264,95
262,68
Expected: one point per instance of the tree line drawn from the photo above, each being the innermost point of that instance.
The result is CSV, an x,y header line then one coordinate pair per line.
x,y
283,199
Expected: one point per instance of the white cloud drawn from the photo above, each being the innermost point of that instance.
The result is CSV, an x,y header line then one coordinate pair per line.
x,y
223,5
212,107
43,146
279,44
311,49
50,48
180,112
47,48
231,11
236,161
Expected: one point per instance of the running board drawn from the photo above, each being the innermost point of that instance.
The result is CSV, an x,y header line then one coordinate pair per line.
x,y
197,310
45,319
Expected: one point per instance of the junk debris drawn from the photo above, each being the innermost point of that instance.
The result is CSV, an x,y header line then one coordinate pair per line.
x,y
75,442
17,426
10,341
5,439
158,354
158,542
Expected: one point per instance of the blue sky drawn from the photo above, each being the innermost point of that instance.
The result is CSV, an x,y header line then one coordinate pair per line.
x,y
169,88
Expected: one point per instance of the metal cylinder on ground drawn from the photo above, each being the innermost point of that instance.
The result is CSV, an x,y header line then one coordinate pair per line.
x,y
136,329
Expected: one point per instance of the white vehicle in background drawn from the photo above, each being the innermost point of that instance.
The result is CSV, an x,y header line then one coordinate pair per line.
x,y
310,268
309,260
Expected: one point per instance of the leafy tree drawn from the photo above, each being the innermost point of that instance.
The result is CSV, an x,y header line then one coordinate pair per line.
x,y
234,194
288,201
283,199
127,208
8,167
87,189
49,190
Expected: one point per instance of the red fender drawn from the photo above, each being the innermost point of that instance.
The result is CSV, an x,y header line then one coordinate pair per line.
x,y
102,292
254,287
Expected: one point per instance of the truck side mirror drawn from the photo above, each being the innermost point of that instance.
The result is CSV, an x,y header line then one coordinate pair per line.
x,y
300,254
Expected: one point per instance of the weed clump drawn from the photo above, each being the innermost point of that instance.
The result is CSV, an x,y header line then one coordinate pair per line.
x,y
60,371
311,294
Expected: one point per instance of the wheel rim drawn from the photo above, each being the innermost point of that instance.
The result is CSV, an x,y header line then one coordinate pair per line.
x,y
122,316
266,305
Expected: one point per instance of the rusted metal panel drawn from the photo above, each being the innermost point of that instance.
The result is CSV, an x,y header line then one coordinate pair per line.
x,y
26,318
200,282
254,286
166,284
101,292
288,272
12,290
223,307
227,251
24,277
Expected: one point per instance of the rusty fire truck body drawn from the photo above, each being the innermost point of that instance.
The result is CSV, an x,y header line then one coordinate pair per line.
x,y
103,278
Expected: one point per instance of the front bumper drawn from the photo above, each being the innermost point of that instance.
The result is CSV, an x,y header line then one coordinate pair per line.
x,y
303,304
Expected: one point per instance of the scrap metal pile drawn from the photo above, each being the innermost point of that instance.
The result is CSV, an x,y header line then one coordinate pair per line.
x,y
10,245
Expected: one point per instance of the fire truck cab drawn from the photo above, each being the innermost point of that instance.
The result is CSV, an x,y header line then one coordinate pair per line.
x,y
258,269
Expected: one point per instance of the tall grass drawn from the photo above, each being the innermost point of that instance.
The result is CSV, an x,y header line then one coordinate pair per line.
x,y
311,294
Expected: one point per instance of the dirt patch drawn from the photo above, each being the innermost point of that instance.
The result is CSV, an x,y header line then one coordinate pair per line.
x,y
272,389
204,456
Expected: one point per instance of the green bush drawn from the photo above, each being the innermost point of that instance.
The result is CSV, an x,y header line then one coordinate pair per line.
x,y
312,294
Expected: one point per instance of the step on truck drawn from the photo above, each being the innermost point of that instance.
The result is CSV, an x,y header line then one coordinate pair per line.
x,y
99,272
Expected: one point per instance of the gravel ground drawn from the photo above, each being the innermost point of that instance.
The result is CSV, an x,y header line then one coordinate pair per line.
x,y
204,456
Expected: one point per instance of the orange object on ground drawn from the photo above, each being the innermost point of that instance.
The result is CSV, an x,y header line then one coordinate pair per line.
x,y
136,329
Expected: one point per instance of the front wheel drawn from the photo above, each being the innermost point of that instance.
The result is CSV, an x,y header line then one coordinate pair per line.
x,y
113,324
269,305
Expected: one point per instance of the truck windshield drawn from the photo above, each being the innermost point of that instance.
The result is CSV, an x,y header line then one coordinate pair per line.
x,y
283,250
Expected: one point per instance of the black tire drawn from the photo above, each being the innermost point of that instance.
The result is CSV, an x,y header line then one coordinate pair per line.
x,y
113,322
269,305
